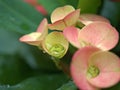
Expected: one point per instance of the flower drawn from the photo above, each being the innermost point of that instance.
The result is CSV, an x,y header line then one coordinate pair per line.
x,y
98,34
36,38
55,44
63,17
92,68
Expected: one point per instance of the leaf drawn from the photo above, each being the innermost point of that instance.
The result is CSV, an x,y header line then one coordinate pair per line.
x,y
42,82
89,6
12,68
116,87
17,16
71,2
68,86
50,5
111,10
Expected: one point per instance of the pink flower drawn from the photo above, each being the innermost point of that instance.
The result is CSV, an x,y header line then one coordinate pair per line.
x,y
36,38
63,17
92,68
98,34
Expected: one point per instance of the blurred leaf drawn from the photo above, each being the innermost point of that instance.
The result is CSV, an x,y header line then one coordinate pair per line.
x,y
12,69
50,5
9,41
42,82
89,6
17,16
42,60
74,3
68,86
111,10
116,87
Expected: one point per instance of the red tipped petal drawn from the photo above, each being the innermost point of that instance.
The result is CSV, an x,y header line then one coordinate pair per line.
x,y
99,34
43,25
71,33
58,25
72,18
60,12
32,38
89,18
109,65
79,67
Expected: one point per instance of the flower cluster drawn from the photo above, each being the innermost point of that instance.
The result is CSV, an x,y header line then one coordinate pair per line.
x,y
92,65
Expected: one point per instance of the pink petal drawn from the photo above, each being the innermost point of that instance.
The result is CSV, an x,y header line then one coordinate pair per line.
x,y
71,33
43,28
79,67
60,12
72,18
109,65
58,25
43,25
32,38
99,34
69,20
89,18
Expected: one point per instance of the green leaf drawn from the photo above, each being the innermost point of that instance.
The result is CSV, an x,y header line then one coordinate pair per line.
x,y
116,87
68,86
17,16
89,6
13,69
42,82
50,5
111,10
74,3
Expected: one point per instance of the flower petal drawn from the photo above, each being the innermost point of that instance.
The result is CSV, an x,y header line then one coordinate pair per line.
x,y
99,34
32,38
58,25
35,38
56,44
60,12
71,33
72,18
42,26
109,65
89,18
79,66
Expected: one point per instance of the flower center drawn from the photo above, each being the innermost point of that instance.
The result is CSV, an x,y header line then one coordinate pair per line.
x,y
57,50
93,71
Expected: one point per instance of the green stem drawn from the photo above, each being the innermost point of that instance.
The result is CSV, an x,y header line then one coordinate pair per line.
x,y
61,66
